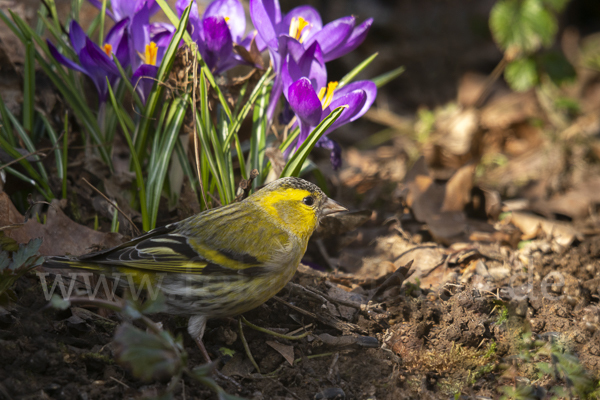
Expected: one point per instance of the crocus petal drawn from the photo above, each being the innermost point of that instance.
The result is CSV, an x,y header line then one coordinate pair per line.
x,y
118,38
153,6
356,38
181,5
305,102
233,10
126,8
139,31
98,58
217,39
158,30
368,87
266,17
98,5
142,80
309,14
310,65
123,8
354,101
95,72
77,36
333,35
64,60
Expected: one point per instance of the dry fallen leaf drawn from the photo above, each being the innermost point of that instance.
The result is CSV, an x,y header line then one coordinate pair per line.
x,y
285,350
61,235
532,226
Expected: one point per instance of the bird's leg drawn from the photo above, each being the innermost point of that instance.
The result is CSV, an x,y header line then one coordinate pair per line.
x,y
196,326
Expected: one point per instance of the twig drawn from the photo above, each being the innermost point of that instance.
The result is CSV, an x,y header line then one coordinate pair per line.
x,y
303,328
270,332
245,186
35,153
138,232
246,347
326,319
396,279
324,297
118,381
332,366
491,79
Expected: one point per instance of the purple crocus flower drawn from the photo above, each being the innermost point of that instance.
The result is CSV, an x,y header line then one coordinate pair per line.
x,y
148,44
311,106
122,9
93,61
133,31
222,25
160,36
304,25
141,44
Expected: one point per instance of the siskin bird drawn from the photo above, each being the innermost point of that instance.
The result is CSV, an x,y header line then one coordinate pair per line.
x,y
224,261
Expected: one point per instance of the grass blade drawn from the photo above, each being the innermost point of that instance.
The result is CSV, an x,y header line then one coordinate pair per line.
x,y
384,79
62,82
43,177
139,177
258,141
32,182
235,126
6,128
349,77
128,85
161,76
29,86
65,155
57,150
160,167
295,162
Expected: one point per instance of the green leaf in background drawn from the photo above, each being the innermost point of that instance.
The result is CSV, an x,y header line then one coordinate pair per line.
x,y
556,5
522,25
24,258
27,257
521,74
558,68
149,355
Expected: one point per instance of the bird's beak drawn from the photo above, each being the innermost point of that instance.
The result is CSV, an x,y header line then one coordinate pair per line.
x,y
331,207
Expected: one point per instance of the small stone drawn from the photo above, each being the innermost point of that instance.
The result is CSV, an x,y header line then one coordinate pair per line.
x,y
330,394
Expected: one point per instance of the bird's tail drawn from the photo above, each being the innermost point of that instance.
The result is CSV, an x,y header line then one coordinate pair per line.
x,y
65,262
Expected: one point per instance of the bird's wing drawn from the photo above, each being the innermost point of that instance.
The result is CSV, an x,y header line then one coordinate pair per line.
x,y
165,250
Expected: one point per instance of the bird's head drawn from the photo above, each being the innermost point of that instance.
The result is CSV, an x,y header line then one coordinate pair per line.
x,y
298,204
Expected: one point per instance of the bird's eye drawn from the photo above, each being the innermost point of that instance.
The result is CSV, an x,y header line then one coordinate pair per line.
x,y
309,201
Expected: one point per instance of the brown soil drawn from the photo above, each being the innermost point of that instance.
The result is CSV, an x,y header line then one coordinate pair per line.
x,y
431,344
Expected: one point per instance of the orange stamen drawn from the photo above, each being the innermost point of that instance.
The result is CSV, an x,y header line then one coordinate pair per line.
x,y
107,49
151,53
